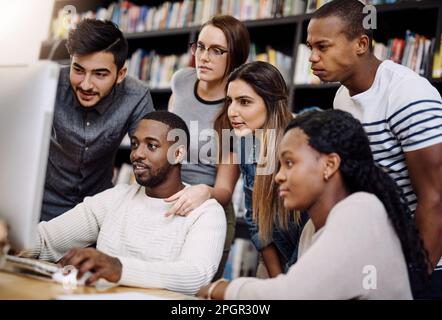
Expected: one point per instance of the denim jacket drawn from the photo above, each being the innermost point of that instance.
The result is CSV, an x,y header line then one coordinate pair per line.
x,y
285,241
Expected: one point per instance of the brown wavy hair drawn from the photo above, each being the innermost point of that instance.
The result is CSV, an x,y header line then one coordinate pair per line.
x,y
269,84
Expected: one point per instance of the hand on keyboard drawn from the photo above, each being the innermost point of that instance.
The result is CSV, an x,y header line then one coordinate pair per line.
x,y
88,259
67,276
33,265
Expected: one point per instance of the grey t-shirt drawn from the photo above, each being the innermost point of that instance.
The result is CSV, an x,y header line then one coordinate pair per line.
x,y
199,116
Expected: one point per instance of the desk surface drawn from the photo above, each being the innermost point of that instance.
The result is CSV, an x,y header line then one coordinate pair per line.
x,y
24,287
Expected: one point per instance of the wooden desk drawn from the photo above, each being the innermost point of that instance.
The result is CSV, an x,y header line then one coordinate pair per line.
x,y
26,287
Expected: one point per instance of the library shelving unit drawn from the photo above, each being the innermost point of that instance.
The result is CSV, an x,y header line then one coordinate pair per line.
x,y
282,33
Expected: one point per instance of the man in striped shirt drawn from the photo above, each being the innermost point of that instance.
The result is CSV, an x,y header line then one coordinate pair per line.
x,y
401,112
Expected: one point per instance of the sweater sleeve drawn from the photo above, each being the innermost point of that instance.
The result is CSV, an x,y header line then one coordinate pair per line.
x,y
78,227
333,267
196,264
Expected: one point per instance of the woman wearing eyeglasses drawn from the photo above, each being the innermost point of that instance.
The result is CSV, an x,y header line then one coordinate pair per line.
x,y
198,95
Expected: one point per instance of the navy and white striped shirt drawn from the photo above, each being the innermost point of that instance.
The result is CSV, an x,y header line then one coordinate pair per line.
x,y
401,112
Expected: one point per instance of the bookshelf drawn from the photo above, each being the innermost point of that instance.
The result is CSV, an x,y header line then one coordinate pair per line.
x,y
175,41
278,30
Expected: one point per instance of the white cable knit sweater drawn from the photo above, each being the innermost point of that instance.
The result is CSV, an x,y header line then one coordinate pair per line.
x,y
175,253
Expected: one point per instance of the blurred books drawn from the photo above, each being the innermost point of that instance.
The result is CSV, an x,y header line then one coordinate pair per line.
x,y
414,51
156,70
131,17
242,261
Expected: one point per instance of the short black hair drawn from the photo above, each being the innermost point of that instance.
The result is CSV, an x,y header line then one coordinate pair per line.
x,y
170,119
92,36
351,13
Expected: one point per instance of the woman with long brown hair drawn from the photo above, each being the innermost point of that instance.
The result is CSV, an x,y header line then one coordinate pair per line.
x,y
257,111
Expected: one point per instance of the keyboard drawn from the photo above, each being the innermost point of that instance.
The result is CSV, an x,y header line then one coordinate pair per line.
x,y
56,273
33,265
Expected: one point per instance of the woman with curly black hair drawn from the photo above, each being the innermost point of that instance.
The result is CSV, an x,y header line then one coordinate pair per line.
x,y
361,241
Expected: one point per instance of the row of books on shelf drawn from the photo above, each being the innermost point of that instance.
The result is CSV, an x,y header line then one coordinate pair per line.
x,y
414,52
312,5
157,70
303,73
280,60
134,18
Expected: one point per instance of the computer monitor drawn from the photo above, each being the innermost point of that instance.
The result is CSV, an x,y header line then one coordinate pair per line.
x,y
27,97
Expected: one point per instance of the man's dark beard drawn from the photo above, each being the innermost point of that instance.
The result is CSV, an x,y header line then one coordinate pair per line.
x,y
156,178
111,92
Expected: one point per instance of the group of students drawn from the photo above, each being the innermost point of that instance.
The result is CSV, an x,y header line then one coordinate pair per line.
x,y
328,194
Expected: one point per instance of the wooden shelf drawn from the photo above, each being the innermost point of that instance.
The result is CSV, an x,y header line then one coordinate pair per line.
x,y
407,4
272,21
160,33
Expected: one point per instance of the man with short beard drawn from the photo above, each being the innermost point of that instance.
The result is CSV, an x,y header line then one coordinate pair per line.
x,y
96,105
137,245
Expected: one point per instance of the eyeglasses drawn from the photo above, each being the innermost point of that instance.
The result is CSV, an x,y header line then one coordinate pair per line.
x,y
198,49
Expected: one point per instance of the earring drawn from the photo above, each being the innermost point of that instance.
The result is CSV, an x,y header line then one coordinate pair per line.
x,y
325,176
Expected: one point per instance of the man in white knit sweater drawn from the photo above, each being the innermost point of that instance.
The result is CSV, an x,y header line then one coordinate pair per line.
x,y
137,245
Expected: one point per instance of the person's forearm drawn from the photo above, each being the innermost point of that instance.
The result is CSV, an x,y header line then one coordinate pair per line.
x,y
429,222
179,276
272,261
223,196
78,227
